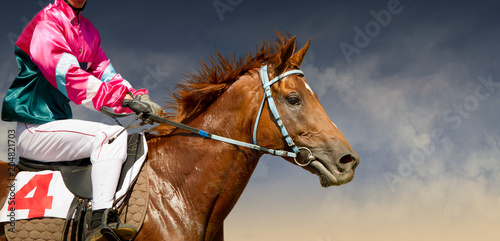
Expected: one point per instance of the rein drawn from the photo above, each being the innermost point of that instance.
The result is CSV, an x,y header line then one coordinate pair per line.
x,y
266,84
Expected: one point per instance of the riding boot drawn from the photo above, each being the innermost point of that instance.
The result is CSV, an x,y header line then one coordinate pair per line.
x,y
106,226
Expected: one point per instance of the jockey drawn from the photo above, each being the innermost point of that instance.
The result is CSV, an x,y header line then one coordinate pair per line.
x,y
60,59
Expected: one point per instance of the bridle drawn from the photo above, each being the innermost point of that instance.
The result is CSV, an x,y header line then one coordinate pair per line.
x,y
266,85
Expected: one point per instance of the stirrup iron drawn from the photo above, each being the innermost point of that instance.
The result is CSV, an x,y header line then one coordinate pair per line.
x,y
108,232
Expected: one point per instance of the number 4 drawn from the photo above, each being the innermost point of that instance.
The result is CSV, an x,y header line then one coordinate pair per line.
x,y
40,200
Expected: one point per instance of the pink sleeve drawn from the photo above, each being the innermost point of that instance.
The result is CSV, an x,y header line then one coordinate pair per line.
x,y
102,69
52,54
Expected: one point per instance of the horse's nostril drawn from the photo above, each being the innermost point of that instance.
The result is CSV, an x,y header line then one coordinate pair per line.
x,y
346,159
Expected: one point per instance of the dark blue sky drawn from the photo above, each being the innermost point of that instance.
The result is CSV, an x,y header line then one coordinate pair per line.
x,y
192,29
389,73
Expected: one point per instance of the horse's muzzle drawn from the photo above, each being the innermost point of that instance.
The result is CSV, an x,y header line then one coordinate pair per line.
x,y
335,172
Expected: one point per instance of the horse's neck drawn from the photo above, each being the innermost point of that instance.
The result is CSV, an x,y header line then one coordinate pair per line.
x,y
198,181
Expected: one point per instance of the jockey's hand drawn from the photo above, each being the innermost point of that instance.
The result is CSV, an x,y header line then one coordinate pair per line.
x,y
142,104
146,99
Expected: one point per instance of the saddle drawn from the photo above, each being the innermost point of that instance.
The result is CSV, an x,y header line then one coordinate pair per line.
x,y
130,201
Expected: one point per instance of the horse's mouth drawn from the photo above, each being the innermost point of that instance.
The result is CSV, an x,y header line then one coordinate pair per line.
x,y
332,174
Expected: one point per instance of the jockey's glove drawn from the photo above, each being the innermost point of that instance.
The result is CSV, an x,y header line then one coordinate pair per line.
x,y
146,99
142,104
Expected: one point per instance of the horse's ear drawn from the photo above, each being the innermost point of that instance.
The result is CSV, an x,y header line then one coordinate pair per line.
x,y
299,56
285,54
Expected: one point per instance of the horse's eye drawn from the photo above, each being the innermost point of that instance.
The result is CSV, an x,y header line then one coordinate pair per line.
x,y
293,100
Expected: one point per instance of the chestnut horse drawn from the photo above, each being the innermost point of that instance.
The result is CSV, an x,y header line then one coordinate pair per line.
x,y
194,181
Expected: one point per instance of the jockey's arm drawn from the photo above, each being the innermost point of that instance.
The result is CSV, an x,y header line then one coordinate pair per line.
x,y
95,87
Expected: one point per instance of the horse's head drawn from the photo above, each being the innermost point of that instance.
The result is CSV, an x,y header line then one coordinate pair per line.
x,y
323,148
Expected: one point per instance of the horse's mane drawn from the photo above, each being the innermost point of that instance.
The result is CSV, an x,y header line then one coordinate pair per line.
x,y
198,90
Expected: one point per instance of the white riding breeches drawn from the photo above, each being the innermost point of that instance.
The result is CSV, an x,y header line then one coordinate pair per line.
x,y
67,140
